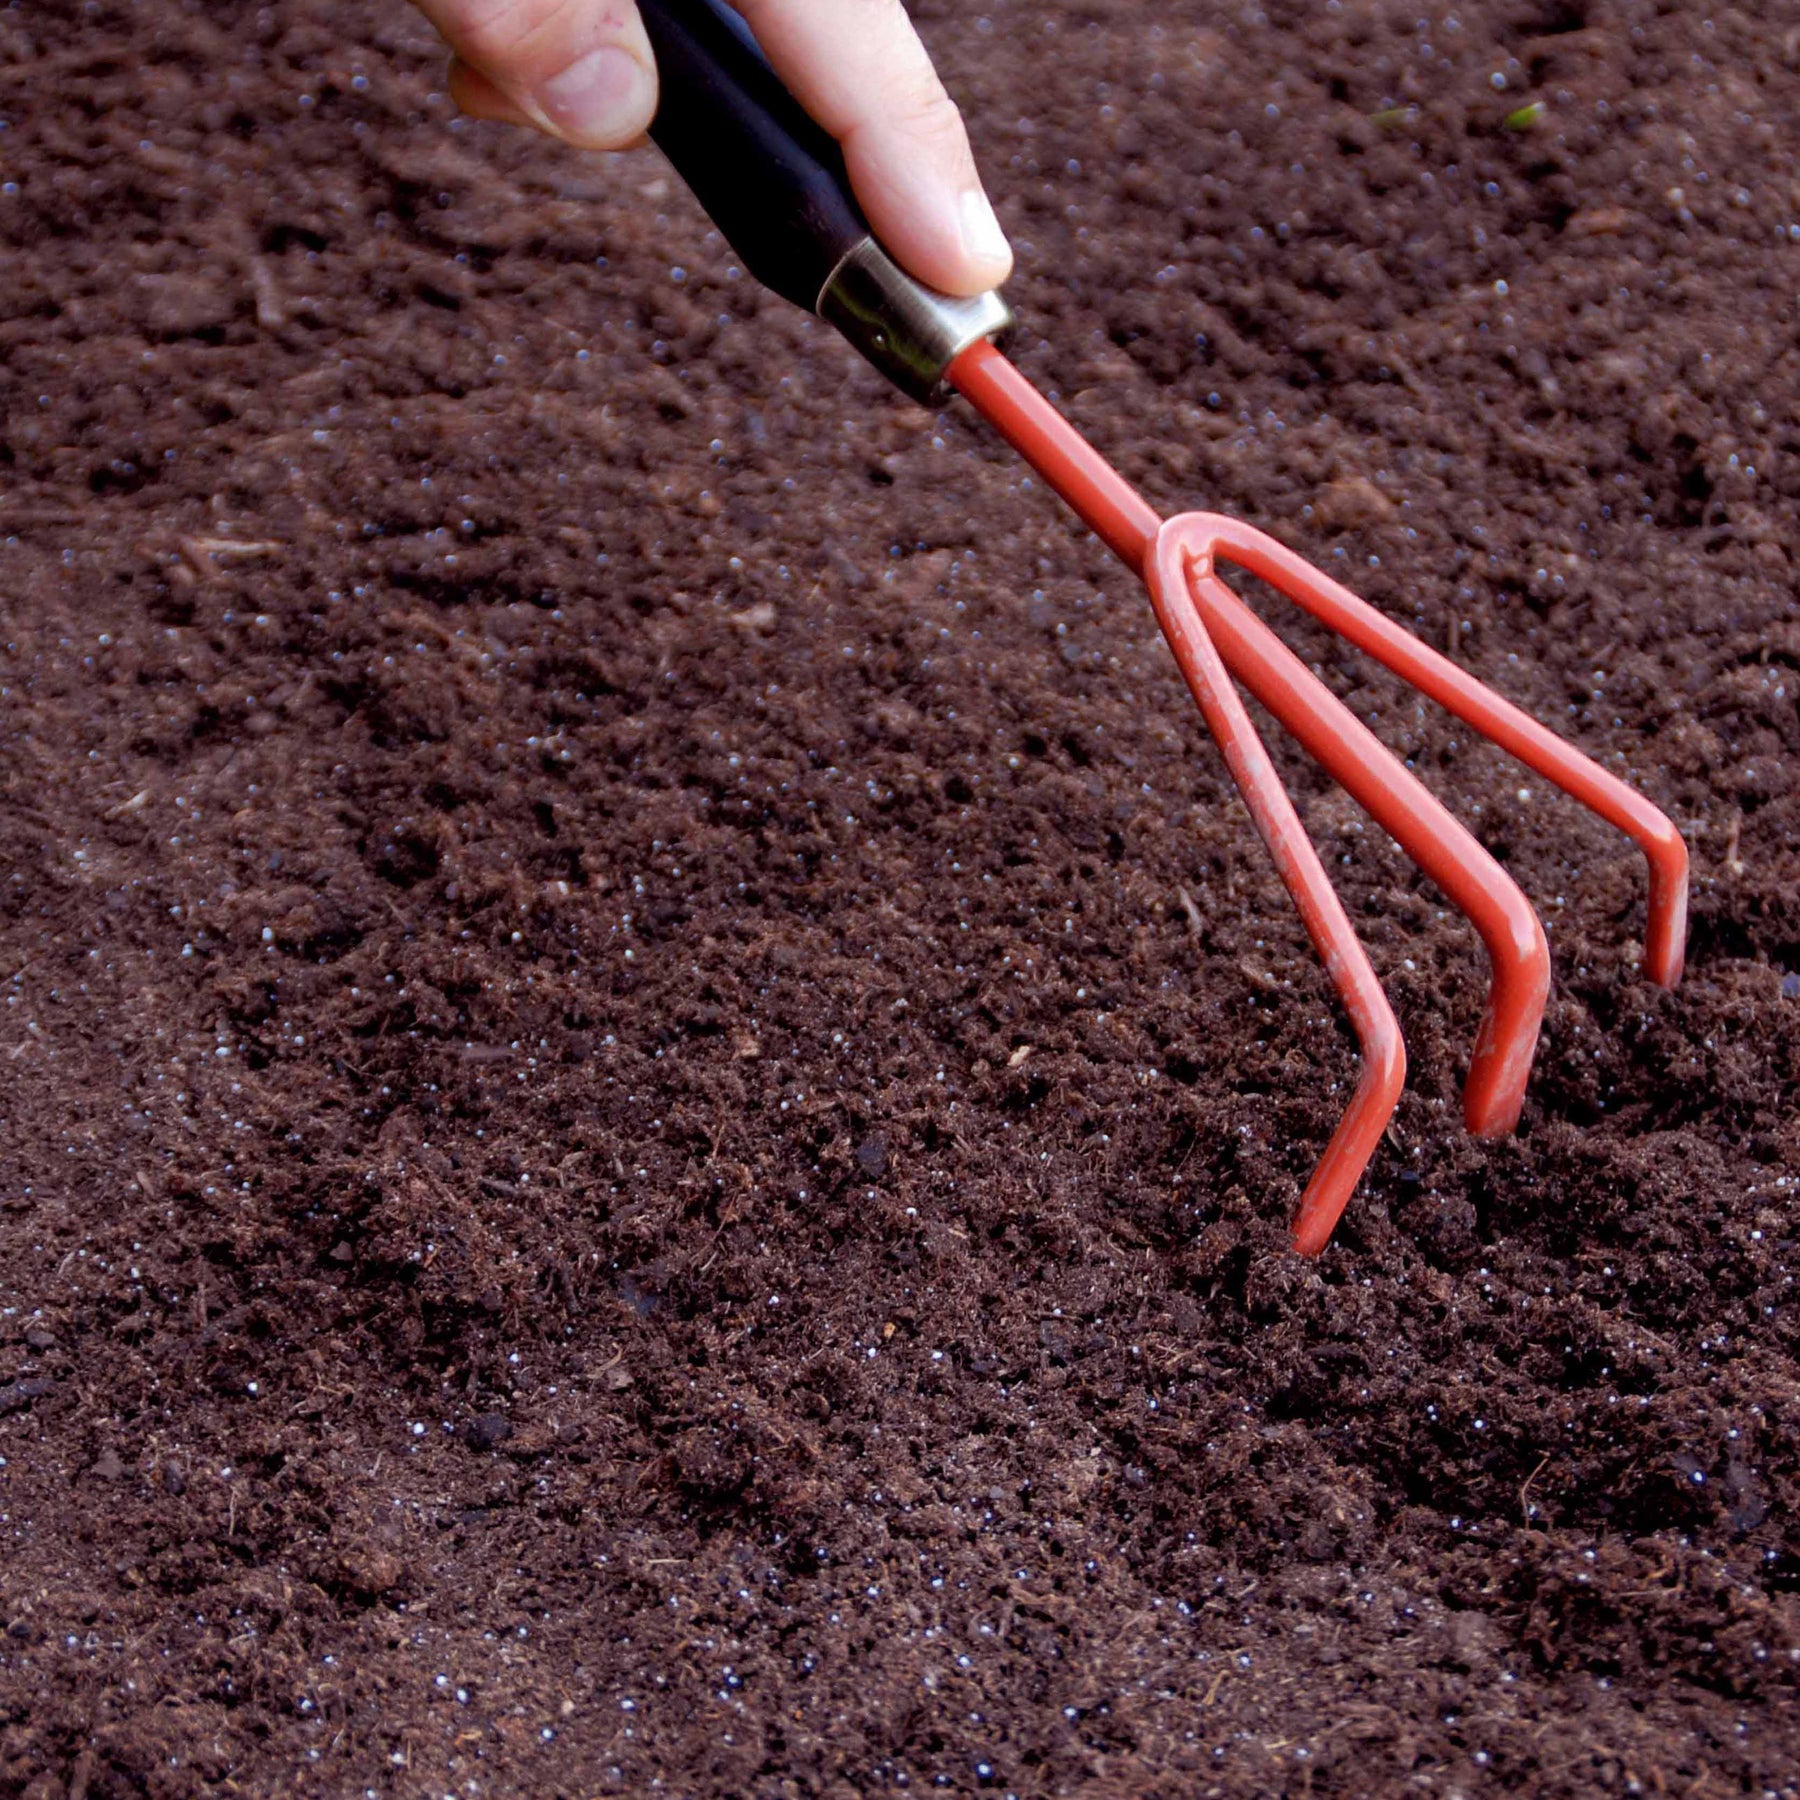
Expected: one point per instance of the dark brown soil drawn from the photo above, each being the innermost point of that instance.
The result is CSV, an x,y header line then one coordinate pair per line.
x,y
651,1083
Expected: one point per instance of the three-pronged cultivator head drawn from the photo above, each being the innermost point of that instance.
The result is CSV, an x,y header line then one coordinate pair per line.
x,y
1216,637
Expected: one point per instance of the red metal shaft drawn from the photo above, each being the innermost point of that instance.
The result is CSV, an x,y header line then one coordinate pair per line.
x,y
1109,505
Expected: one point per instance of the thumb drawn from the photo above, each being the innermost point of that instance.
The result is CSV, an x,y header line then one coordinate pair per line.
x,y
580,70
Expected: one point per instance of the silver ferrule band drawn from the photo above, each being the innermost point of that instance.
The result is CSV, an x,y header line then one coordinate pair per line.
x,y
910,332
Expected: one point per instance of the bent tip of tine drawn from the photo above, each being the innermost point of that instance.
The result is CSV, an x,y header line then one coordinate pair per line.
x,y
1665,937
1500,1066
1358,1134
1318,1217
1492,1112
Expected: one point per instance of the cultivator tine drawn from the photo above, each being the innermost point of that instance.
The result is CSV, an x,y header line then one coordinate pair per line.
x,y
1278,824
1189,549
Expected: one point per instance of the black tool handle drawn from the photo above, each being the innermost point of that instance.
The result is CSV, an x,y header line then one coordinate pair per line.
x,y
775,183
771,178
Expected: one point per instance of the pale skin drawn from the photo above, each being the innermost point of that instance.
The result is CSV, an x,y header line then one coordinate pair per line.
x,y
582,71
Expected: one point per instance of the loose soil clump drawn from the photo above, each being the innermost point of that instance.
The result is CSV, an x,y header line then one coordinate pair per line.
x,y
652,1084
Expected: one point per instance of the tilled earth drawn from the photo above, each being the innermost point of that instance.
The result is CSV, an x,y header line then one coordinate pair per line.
x,y
651,1083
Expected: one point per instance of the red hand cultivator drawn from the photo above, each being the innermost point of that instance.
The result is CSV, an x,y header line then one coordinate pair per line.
x,y
775,183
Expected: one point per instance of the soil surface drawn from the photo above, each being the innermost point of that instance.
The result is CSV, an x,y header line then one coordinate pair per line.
x,y
652,1083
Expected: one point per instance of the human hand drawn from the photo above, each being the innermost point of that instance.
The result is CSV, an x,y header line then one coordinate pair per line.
x,y
582,71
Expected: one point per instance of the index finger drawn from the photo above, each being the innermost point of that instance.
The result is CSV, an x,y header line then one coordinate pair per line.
x,y
859,68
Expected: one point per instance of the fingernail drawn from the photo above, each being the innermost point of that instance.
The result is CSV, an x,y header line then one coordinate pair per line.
x,y
605,96
982,237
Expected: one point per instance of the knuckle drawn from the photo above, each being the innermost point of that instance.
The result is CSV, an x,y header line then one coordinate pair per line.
x,y
924,110
490,31
496,33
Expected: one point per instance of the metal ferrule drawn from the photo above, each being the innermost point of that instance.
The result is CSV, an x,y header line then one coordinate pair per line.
x,y
910,332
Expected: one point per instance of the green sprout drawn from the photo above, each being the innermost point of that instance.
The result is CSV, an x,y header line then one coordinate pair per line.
x,y
1526,118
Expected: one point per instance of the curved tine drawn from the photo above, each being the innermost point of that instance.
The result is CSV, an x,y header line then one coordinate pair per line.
x,y
1516,732
1383,1048
1518,952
